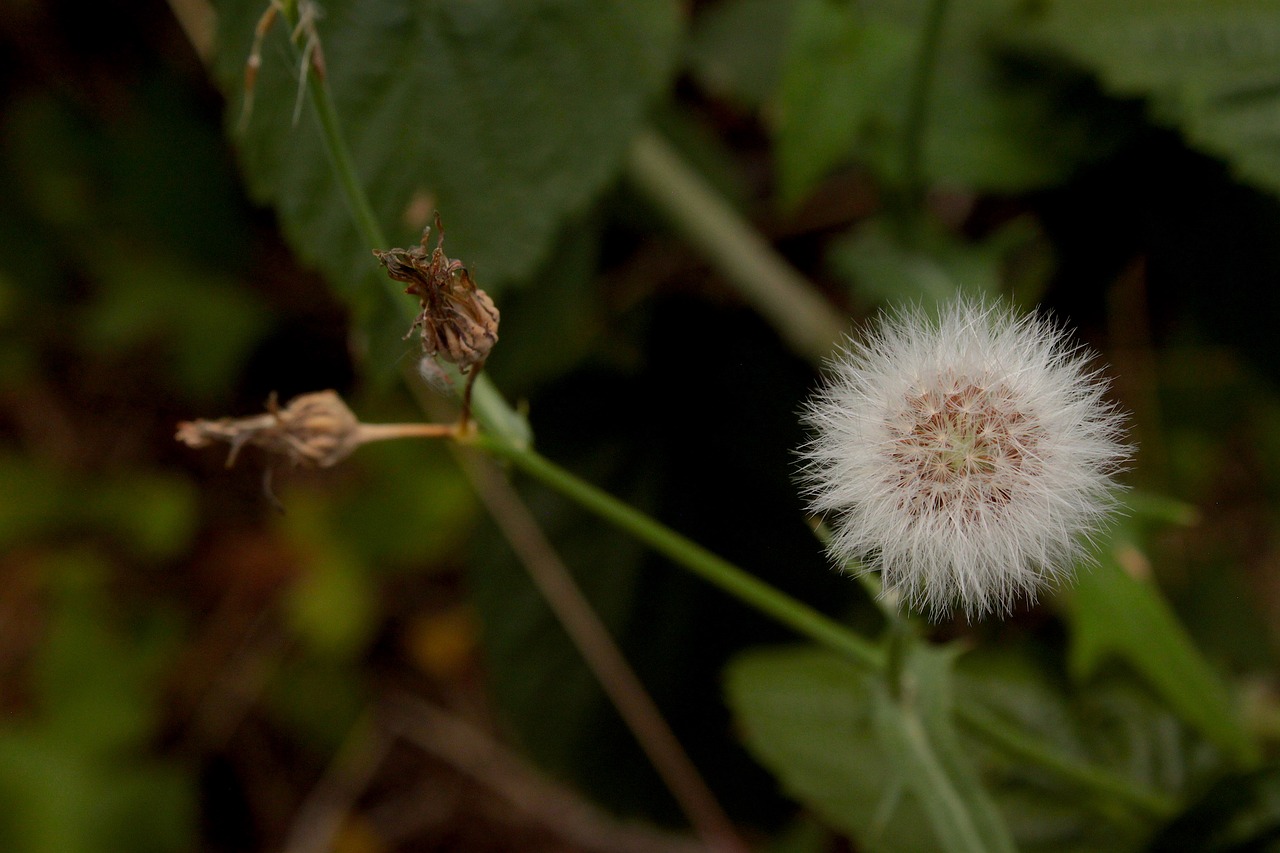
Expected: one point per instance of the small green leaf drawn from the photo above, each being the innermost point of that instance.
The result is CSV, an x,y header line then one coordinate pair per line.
x,y
1112,613
888,771
841,64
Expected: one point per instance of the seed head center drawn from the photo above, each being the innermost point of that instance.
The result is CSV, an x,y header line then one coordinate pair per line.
x,y
961,444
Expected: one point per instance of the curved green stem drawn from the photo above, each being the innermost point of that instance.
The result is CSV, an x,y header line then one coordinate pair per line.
x,y
344,169
817,627
487,404
685,552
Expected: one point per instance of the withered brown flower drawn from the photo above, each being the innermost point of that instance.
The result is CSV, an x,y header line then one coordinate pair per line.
x,y
315,430
459,321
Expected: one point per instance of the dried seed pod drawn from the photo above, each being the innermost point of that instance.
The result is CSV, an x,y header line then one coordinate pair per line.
x,y
314,431
459,322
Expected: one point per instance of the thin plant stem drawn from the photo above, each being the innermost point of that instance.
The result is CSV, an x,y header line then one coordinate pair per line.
x,y
385,432
602,655
484,400
345,171
802,316
685,552
915,127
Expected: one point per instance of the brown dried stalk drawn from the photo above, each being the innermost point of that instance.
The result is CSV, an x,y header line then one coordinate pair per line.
x,y
315,430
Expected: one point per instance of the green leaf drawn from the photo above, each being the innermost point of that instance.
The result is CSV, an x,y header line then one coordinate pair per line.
x,y
1114,614
887,770
841,64
846,87
54,799
735,49
1108,724
508,117
153,515
884,270
203,323
1208,69
333,606
73,777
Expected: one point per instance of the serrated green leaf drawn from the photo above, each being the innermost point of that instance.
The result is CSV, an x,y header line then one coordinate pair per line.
x,y
1210,69
1113,614
887,770
508,117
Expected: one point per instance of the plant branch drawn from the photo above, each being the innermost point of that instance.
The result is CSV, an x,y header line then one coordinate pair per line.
x,y
815,626
802,316
685,552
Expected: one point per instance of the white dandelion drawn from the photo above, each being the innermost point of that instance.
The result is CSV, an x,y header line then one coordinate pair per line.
x,y
968,458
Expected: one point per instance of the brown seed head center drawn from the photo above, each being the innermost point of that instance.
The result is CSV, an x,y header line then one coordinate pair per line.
x,y
961,444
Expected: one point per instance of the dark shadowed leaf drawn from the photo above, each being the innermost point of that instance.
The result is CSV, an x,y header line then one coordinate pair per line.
x,y
1210,69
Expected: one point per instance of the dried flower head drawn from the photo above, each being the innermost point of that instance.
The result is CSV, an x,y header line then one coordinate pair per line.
x,y
315,430
964,457
459,322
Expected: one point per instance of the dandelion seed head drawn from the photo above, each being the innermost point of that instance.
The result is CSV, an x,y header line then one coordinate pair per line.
x,y
967,457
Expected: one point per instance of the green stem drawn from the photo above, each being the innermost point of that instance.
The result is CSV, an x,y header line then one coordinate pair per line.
x,y
487,404
802,316
728,577
344,169
821,629
915,127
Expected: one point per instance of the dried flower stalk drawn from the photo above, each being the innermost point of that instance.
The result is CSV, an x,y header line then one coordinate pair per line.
x,y
315,430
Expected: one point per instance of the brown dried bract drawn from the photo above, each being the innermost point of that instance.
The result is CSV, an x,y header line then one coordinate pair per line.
x,y
459,322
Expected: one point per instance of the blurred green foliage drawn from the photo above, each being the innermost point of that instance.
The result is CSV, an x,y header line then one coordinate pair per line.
x,y
181,665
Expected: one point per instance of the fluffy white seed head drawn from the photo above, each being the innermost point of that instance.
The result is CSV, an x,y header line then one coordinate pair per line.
x,y
964,457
